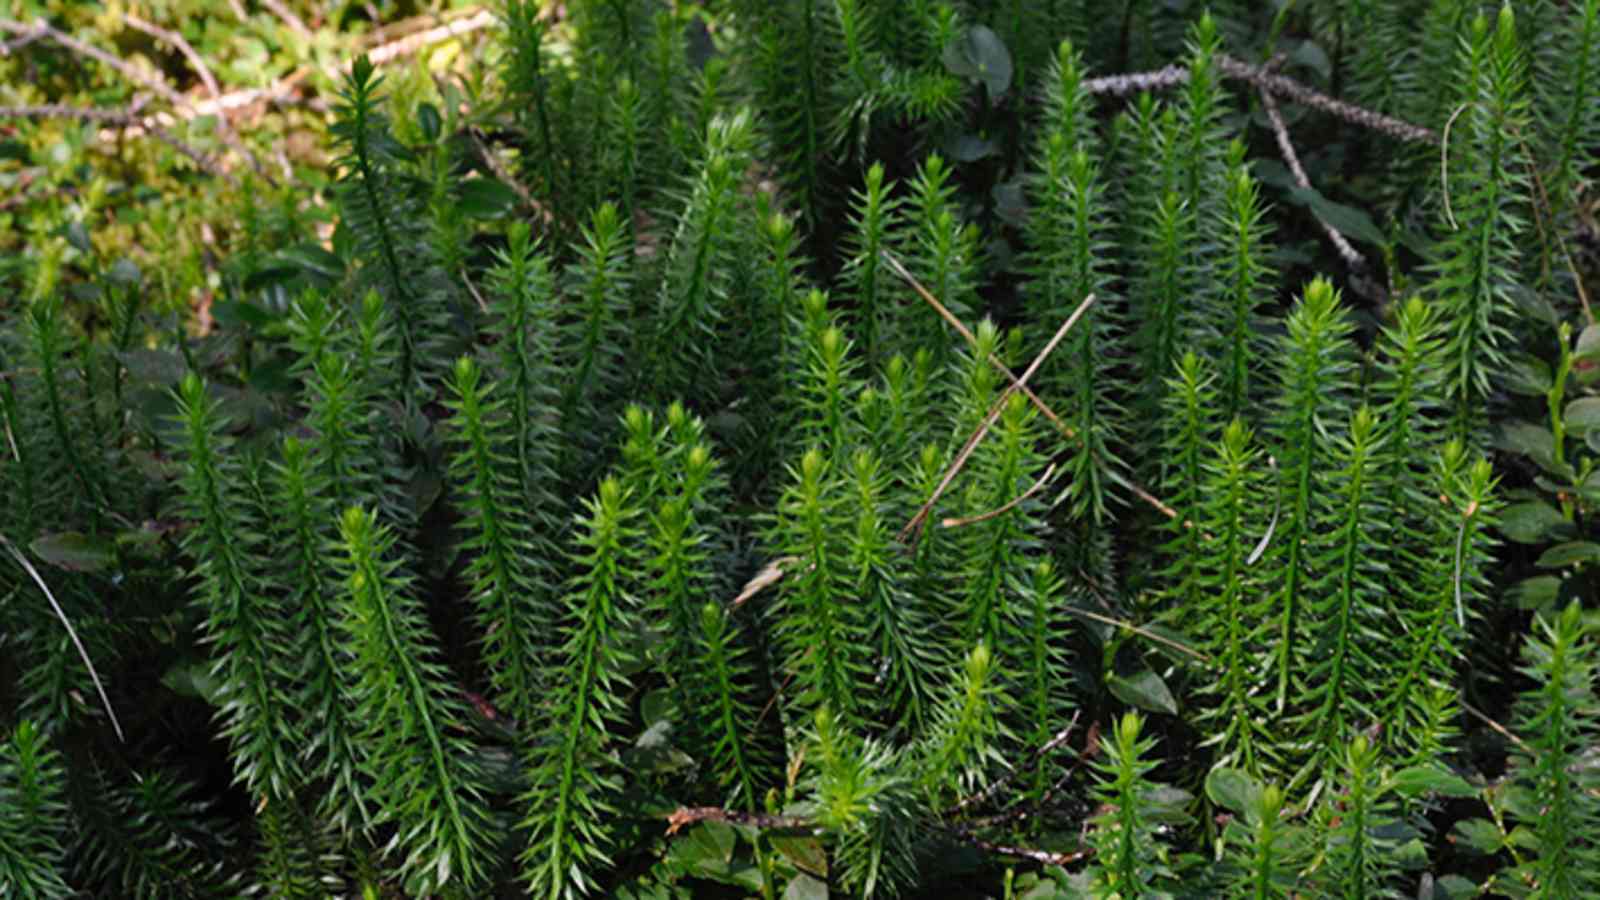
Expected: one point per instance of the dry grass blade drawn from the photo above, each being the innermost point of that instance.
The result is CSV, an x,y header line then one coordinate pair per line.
x,y
914,526
951,522
1016,384
764,579
1135,629
71,632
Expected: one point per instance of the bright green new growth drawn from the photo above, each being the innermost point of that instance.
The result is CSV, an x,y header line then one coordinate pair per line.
x,y
572,785
424,781
1554,790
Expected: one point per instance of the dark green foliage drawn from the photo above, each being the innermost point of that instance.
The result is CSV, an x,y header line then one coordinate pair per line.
x,y
1228,607
514,609
1481,254
33,816
572,783
1314,376
1553,790
1130,859
1347,655
244,623
847,609
1070,238
823,640
1364,840
425,782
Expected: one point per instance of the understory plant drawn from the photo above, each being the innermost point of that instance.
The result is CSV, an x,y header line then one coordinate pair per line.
x,y
863,448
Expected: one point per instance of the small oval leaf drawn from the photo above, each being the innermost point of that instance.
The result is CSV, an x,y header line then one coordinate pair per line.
x,y
1145,690
74,552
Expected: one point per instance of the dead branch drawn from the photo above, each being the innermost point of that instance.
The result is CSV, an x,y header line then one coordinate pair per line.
x,y
1351,257
131,73
1013,503
688,815
1265,80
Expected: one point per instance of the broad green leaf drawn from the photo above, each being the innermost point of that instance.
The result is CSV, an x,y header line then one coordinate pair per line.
x,y
1537,593
1145,690
980,55
1232,789
1479,835
806,853
1583,415
1530,522
74,552
428,121
1355,224
804,887
193,678
163,367
485,198
1568,554
125,273
1535,442
1416,781
1528,375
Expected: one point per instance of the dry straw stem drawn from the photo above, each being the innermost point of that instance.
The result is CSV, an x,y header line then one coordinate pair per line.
x,y
71,632
1000,366
913,527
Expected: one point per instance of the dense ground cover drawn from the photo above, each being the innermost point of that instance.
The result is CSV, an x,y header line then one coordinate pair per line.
x,y
868,447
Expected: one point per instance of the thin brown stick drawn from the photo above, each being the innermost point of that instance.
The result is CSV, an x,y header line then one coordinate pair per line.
x,y
972,340
984,795
1351,256
1144,633
914,526
1543,210
952,522
118,119
287,16
1043,857
688,815
1496,726
183,46
412,43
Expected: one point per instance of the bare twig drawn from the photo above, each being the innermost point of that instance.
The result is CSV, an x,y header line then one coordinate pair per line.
x,y
1011,774
295,23
1351,257
71,632
152,82
1265,80
768,576
1142,632
1496,726
412,43
1043,857
177,40
913,527
118,119
689,815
